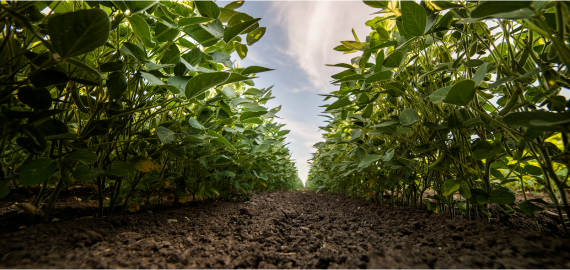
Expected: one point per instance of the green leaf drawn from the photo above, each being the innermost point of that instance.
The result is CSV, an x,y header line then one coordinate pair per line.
x,y
232,32
208,9
414,18
502,196
195,124
367,113
139,6
450,187
461,93
389,155
241,50
531,119
480,74
408,116
234,5
221,139
248,115
37,98
339,103
489,8
443,5
193,20
464,190
369,160
4,188
473,63
36,171
134,51
254,69
440,94
120,168
394,59
255,35
79,32
529,208
141,29
82,173
260,148
378,77
179,82
116,85
379,62
532,170
202,82
86,157
165,135
49,77
151,78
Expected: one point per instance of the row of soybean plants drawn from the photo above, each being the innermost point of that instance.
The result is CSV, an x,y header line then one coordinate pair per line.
x,y
461,98
132,97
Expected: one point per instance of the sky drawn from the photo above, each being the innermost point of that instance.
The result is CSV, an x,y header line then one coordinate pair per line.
x,y
299,41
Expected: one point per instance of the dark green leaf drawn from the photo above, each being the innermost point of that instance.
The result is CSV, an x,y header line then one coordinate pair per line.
x,y
36,171
339,103
408,116
208,9
141,29
37,98
502,196
461,93
255,35
86,157
414,18
489,8
232,32
202,82
79,32
254,69
165,135
49,77
116,85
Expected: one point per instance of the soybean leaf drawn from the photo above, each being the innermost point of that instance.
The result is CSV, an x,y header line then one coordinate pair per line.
x,y
461,93
502,196
202,82
414,18
79,32
464,190
450,187
255,35
208,9
195,124
389,155
254,69
480,74
490,8
139,6
37,98
165,135
141,29
408,116
440,94
380,76
221,139
193,20
260,148
528,208
36,171
86,157
369,160
248,115
134,51
82,173
339,103
394,59
49,77
117,85
232,32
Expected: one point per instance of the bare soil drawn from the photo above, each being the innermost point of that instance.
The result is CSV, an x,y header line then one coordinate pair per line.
x,y
294,229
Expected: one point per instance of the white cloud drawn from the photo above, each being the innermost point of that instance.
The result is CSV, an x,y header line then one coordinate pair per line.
x,y
313,29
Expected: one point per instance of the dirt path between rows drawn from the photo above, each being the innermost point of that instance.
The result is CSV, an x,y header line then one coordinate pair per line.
x,y
294,229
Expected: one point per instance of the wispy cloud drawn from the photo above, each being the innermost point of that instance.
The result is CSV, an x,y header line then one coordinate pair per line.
x,y
313,29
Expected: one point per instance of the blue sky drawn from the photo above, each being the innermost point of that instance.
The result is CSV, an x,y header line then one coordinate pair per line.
x,y
298,43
